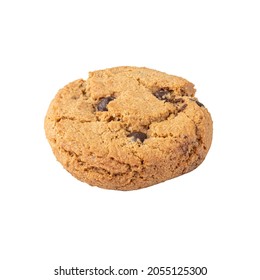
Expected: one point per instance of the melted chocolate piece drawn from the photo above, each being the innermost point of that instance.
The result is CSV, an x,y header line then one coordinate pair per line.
x,y
138,136
102,105
178,100
182,108
161,94
199,103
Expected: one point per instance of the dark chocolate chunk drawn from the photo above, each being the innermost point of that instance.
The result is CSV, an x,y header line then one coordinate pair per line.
x,y
183,107
102,105
138,136
177,100
161,94
199,103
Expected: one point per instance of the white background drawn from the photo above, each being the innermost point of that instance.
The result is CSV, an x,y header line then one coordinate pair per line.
x,y
209,217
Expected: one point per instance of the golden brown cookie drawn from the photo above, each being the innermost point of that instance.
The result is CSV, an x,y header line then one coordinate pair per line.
x,y
127,128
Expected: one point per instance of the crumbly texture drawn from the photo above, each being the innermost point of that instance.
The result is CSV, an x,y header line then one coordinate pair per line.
x,y
127,128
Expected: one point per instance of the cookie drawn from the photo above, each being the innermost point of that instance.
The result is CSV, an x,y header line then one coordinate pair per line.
x,y
127,128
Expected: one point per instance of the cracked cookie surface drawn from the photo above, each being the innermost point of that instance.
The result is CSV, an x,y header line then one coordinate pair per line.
x,y
128,128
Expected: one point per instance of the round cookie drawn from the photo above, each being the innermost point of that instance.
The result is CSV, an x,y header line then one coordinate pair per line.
x,y
127,128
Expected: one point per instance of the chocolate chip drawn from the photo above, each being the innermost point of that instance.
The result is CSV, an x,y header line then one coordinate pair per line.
x,y
183,107
138,136
177,100
102,105
199,103
161,94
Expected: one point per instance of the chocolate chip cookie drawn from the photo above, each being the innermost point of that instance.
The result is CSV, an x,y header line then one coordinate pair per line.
x,y
127,128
